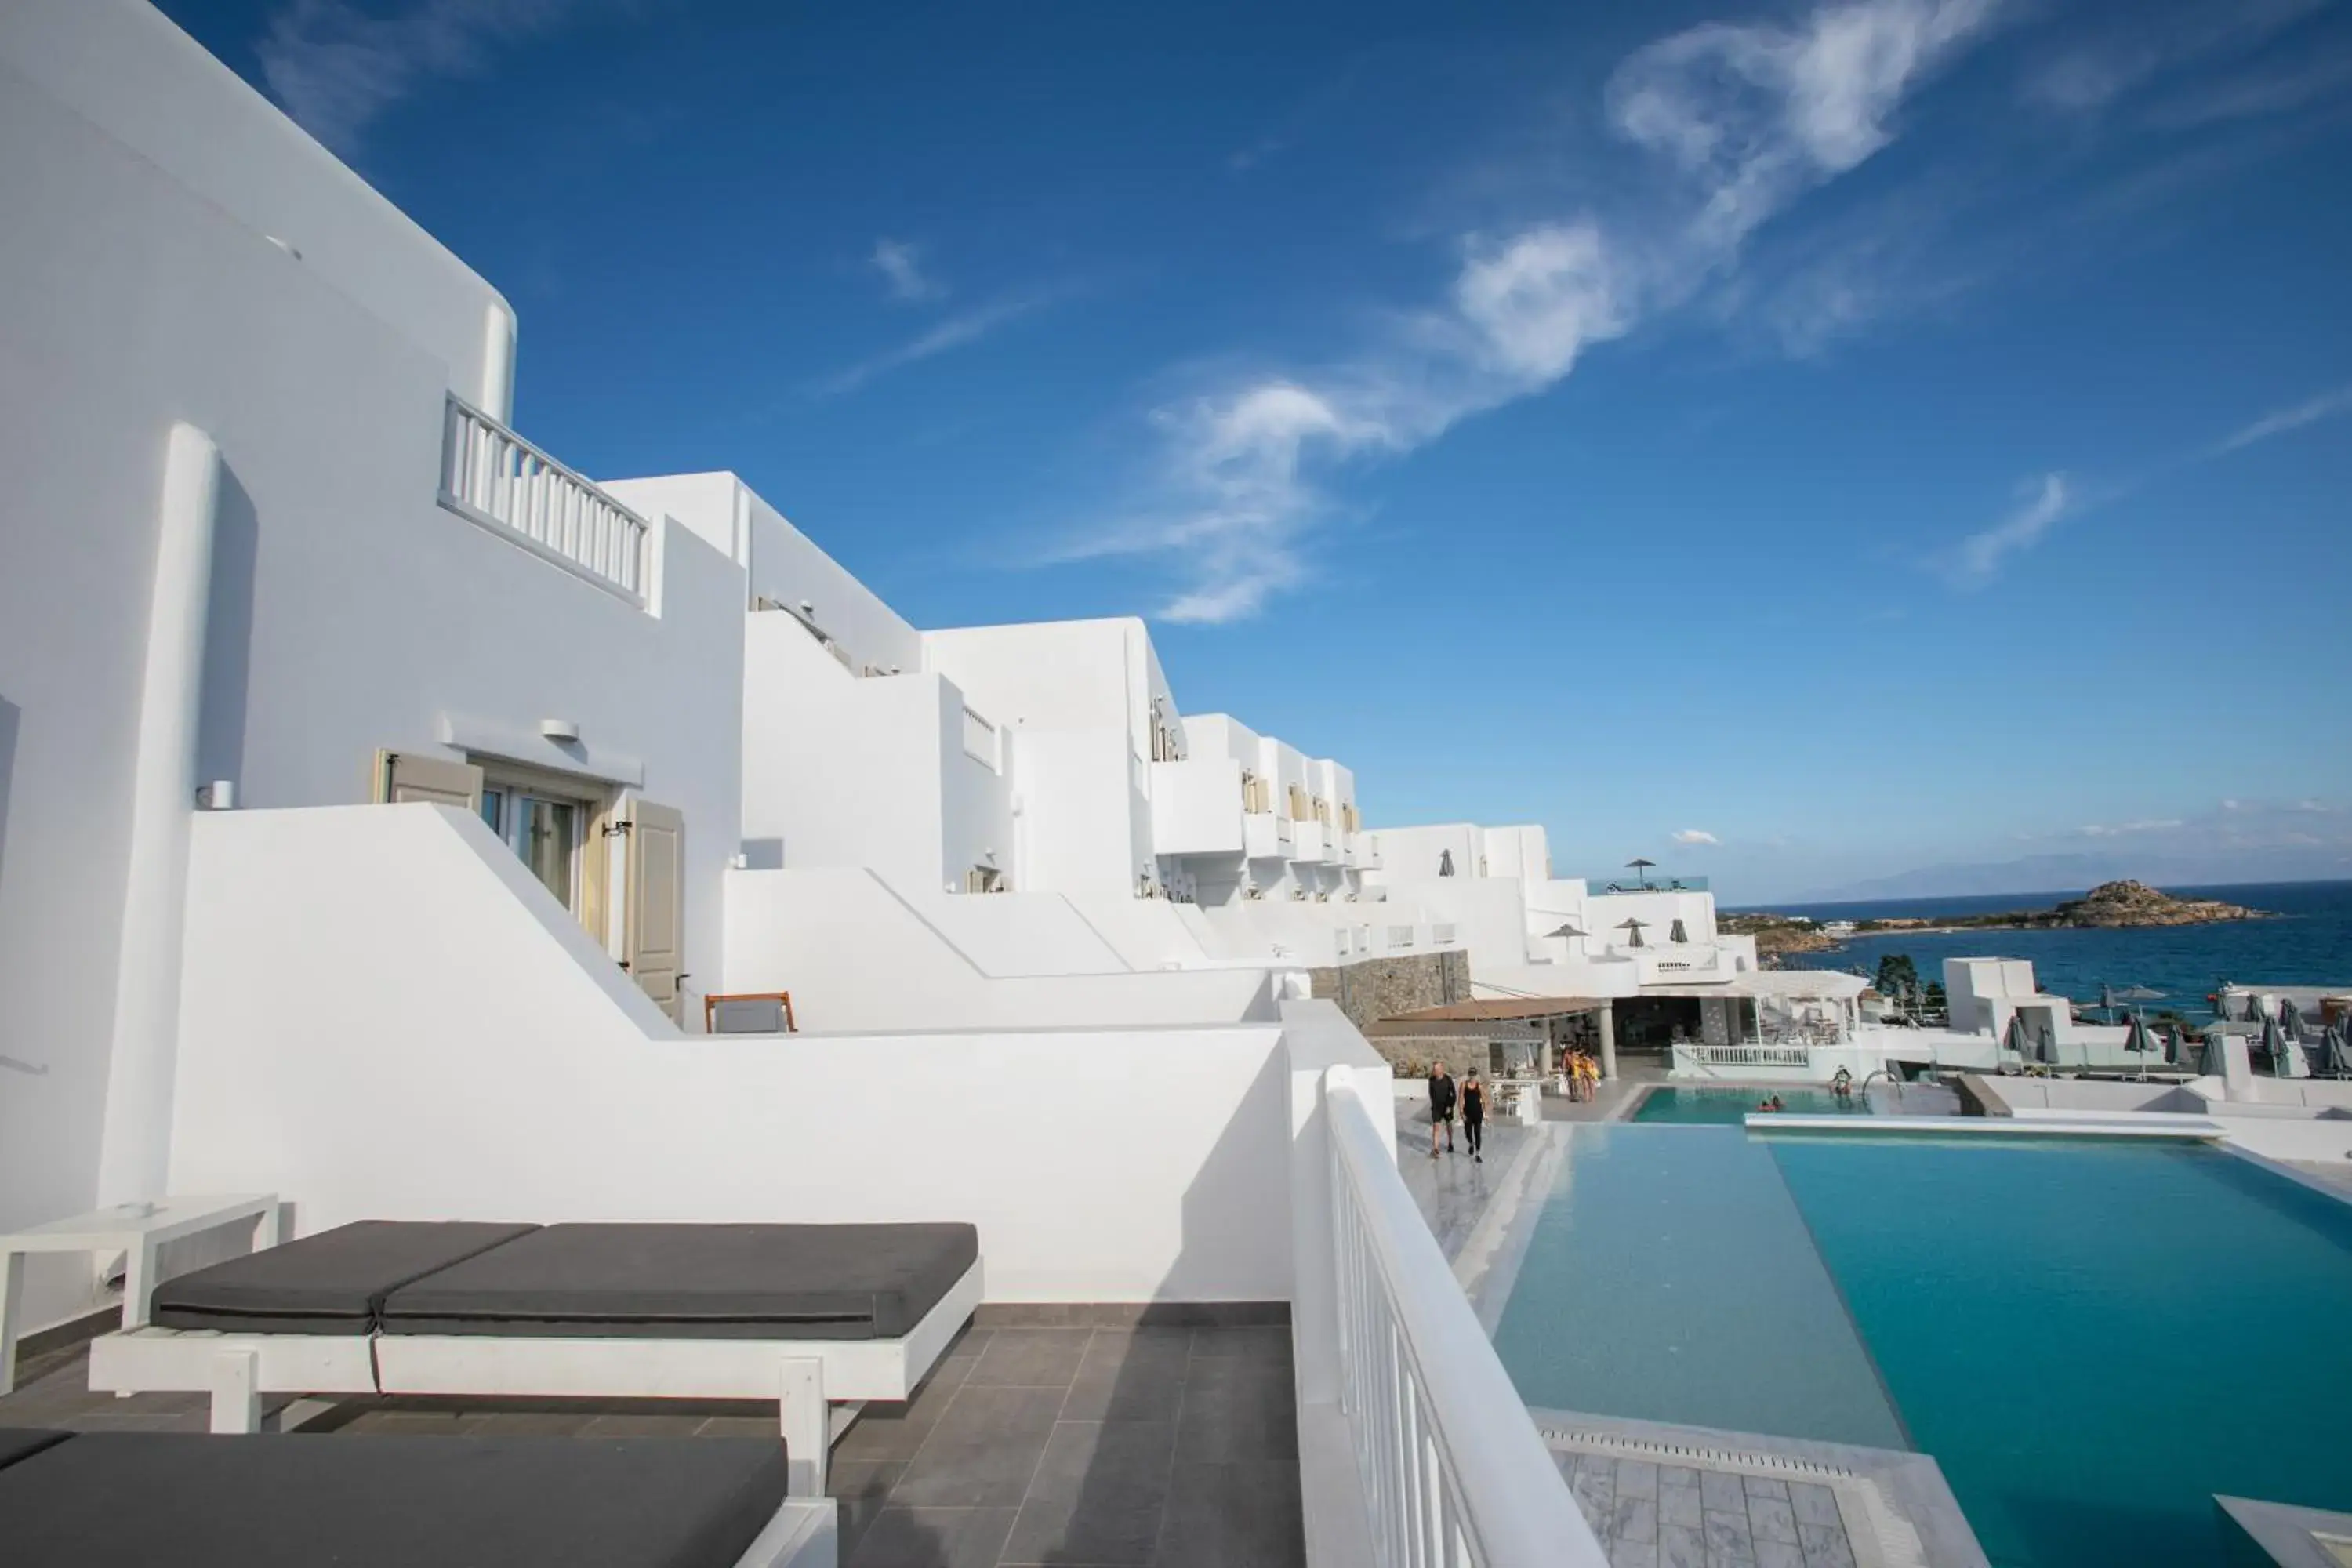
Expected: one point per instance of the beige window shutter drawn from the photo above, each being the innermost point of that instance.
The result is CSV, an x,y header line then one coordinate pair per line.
x,y
653,900
401,777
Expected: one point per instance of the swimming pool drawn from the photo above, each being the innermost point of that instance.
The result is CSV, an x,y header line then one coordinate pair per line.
x,y
2091,1336
1730,1104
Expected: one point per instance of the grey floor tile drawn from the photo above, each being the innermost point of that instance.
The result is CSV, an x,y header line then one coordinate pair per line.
x,y
645,1425
982,1450
1679,1547
863,1490
1770,1519
1825,1548
1030,1358
1634,1519
1251,1341
891,1429
1636,1477
742,1427
1779,1555
1232,1516
533,1423
1237,1410
1816,1504
1131,1375
1727,1538
135,1423
1765,1485
1633,1555
423,1423
1722,1493
1099,1495
1681,1505
1677,1476
933,1537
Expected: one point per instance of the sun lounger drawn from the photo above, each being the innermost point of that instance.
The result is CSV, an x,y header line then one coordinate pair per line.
x,y
806,1315
115,1498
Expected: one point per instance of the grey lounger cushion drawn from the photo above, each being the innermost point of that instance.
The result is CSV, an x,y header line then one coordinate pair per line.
x,y
331,1283
24,1442
111,1500
694,1281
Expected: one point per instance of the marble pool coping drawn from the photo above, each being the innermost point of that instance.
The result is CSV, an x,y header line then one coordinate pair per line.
x,y
1898,1509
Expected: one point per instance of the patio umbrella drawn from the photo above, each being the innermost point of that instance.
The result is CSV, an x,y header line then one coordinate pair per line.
x,y
2334,1052
1634,926
1640,868
2045,1046
2286,1055
2015,1039
2138,1040
2290,1018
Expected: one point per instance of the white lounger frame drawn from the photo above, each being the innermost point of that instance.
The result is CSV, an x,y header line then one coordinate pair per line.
x,y
804,1377
805,1533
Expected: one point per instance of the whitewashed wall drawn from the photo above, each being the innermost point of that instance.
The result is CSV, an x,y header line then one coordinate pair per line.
x,y
347,611
782,563
850,771
858,956
137,79
1126,1166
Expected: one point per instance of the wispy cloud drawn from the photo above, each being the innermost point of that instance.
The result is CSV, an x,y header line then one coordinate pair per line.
x,y
902,267
2326,406
1980,556
1695,836
335,68
1739,123
953,332
2086,78
2125,829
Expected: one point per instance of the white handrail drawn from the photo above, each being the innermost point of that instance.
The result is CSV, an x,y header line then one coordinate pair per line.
x,y
1451,1466
494,477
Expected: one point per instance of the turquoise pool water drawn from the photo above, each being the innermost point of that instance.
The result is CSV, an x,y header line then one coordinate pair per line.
x,y
2092,1338
1730,1106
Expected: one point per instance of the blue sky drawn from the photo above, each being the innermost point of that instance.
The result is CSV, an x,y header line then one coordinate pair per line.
x,y
1862,435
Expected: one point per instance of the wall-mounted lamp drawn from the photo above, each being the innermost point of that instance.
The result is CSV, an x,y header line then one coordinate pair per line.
x,y
562,732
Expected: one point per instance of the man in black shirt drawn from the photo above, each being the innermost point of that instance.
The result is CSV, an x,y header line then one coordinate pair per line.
x,y
1441,1108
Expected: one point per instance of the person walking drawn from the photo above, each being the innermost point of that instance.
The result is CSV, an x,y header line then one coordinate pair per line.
x,y
1441,1108
1473,1114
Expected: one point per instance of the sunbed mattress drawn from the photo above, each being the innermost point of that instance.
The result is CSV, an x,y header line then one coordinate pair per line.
x,y
24,1442
331,1283
111,1499
694,1281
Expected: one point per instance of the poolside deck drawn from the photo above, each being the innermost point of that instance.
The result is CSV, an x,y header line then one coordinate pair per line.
x,y
1171,1446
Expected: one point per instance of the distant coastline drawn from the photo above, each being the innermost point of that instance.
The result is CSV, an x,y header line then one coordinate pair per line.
x,y
2111,905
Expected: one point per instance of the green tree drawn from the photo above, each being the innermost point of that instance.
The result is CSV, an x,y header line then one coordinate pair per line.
x,y
1898,977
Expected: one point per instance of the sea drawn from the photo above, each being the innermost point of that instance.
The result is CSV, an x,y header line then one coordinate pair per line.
x,y
2309,944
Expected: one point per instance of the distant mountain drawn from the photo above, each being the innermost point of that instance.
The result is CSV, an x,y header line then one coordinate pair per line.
x,y
2072,873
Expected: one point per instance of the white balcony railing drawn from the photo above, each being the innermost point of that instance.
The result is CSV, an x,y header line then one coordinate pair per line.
x,y
982,741
1743,1056
1452,1469
492,476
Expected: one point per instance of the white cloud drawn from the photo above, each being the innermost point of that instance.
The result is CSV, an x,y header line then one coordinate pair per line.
x,y
2278,422
2088,77
1695,836
335,68
902,267
1744,119
954,332
2121,830
1980,556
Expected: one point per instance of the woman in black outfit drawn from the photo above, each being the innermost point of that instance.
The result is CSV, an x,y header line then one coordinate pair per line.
x,y
1473,1114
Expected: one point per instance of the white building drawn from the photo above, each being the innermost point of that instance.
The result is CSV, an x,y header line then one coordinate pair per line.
x,y
310,665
